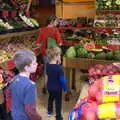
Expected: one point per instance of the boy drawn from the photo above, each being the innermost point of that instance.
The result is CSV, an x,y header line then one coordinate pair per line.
x,y
23,90
55,81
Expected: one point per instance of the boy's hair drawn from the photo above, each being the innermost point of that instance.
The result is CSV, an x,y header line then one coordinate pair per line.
x,y
50,19
22,58
52,52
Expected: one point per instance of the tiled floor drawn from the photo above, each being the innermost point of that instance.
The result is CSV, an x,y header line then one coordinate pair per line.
x,y
42,102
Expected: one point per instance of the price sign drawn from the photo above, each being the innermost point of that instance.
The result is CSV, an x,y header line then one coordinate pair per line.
x,y
5,13
13,13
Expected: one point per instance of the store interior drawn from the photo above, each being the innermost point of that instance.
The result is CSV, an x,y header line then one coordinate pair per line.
x,y
90,30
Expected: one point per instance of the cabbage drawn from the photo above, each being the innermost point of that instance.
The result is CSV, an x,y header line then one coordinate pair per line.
x,y
71,53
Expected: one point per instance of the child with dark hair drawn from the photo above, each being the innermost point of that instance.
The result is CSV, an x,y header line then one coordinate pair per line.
x,y
55,81
23,90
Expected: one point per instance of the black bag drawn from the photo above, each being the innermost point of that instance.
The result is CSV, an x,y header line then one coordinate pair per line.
x,y
3,113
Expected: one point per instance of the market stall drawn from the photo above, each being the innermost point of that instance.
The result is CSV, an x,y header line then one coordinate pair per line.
x,y
17,29
103,31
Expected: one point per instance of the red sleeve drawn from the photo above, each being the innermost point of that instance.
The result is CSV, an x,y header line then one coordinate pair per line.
x,y
58,37
39,39
31,112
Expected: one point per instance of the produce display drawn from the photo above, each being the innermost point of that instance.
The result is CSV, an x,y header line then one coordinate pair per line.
x,y
108,37
101,70
13,4
18,23
109,20
91,52
13,17
7,5
29,21
78,34
108,4
102,95
77,22
107,29
5,77
8,48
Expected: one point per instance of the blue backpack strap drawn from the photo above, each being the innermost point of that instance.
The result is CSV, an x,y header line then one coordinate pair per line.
x,y
71,114
80,108
70,117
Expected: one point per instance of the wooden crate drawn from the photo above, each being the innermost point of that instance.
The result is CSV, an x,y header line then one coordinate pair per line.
x,y
78,0
74,9
83,63
71,64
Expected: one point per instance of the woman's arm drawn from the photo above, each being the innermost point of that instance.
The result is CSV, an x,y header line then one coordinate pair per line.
x,y
58,37
28,6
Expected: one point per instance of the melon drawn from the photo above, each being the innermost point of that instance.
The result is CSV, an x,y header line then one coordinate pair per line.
x,y
89,46
117,56
91,55
101,56
82,52
109,55
71,53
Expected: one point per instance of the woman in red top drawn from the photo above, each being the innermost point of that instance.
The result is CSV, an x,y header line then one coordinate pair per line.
x,y
49,31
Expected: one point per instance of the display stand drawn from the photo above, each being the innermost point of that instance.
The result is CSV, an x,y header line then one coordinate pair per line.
x,y
28,35
19,34
71,64
78,8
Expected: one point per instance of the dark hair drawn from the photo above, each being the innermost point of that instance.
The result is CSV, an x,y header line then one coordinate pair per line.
x,y
50,19
23,58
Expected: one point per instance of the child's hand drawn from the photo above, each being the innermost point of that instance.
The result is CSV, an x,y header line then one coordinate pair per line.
x,y
67,95
59,62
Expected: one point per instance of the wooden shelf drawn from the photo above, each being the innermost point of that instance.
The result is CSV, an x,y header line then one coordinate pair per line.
x,y
106,30
76,1
15,34
71,64
62,29
108,12
83,63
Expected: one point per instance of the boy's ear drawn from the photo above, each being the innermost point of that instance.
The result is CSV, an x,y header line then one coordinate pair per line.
x,y
26,68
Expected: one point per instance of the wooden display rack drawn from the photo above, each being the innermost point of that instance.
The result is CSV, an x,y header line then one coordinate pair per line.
x,y
75,8
18,34
71,64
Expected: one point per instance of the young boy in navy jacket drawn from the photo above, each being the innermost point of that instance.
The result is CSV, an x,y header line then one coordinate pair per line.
x,y
55,81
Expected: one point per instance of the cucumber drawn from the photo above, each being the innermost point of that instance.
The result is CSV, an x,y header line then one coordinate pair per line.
x,y
34,22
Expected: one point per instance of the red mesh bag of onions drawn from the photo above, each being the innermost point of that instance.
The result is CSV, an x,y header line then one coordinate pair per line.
x,y
99,70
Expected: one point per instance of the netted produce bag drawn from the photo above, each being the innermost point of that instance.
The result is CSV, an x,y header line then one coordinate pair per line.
x,y
100,70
